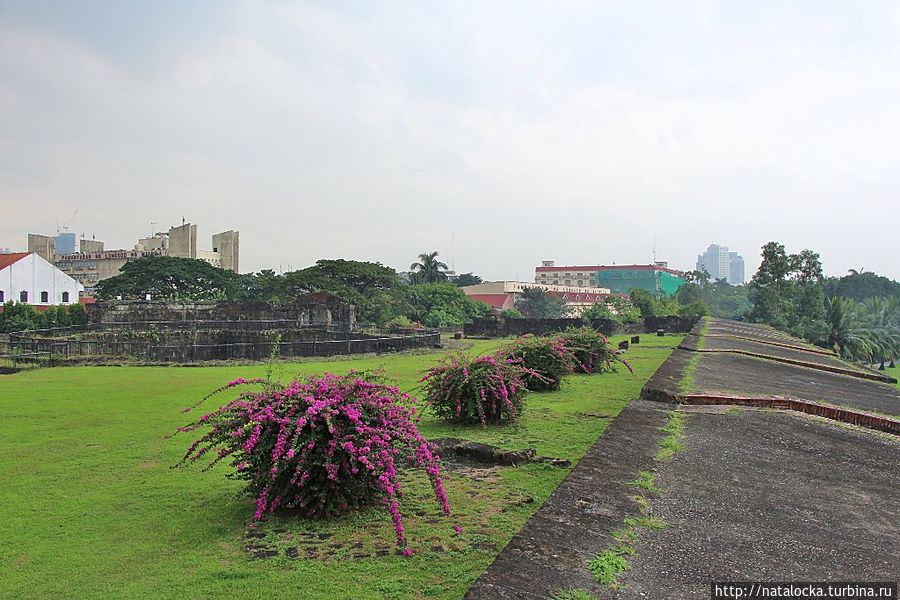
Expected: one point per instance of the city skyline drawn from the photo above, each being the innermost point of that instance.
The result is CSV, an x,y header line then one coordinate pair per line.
x,y
499,135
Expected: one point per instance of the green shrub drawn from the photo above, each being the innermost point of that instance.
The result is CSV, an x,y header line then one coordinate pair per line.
x,y
591,350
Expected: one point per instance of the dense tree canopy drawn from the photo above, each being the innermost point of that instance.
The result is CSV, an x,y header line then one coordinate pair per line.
x,y
168,278
787,293
535,303
465,279
861,285
442,305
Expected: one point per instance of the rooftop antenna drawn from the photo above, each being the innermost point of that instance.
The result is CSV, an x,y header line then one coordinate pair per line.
x,y
654,249
152,228
452,252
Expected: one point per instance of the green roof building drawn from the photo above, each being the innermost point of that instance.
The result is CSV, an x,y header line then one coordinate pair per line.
x,y
621,279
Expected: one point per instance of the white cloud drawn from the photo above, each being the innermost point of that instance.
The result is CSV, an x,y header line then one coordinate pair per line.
x,y
526,130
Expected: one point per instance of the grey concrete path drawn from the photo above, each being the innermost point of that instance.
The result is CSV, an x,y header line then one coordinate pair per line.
x,y
552,551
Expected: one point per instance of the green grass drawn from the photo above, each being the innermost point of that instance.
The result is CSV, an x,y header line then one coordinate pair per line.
x,y
90,508
646,480
573,594
671,443
609,564
895,373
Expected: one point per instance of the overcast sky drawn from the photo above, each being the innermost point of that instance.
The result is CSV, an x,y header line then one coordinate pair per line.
x,y
574,131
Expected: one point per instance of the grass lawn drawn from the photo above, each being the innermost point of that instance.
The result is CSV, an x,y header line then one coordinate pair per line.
x,y
89,506
895,373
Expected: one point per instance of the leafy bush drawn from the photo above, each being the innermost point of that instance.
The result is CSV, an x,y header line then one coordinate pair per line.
x,y
487,389
321,446
19,317
591,350
546,358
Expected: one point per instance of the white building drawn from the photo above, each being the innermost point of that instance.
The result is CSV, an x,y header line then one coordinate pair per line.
x,y
27,278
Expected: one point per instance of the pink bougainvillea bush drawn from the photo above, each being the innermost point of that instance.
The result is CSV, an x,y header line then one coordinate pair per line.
x,y
322,446
548,359
591,351
486,390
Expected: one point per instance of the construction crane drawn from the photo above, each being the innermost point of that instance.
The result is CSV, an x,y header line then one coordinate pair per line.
x,y
66,223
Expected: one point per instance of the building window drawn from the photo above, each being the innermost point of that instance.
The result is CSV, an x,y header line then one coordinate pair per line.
x,y
2,299
580,282
45,297
23,296
65,297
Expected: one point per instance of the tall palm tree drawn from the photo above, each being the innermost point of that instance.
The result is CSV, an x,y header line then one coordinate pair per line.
x,y
429,269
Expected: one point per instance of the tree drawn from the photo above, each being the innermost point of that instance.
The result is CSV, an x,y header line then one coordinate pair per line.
x,y
620,310
442,305
644,301
467,279
375,289
168,278
861,285
535,303
787,293
429,269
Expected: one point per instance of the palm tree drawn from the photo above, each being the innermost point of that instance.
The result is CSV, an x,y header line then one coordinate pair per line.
x,y
429,269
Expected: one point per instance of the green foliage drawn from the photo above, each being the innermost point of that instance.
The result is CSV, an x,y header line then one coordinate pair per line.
x,y
861,285
643,301
442,305
21,317
168,278
487,389
697,308
787,293
374,289
620,310
721,299
864,331
535,303
400,322
465,279
591,350
646,480
671,443
573,594
116,473
548,360
655,306
429,269
609,564
512,313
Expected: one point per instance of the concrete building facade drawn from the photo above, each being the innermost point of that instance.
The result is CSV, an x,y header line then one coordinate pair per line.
x,y
92,263
27,278
502,294
615,279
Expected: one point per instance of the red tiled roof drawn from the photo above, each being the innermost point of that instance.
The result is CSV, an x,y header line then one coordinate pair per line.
x,y
8,259
607,268
493,300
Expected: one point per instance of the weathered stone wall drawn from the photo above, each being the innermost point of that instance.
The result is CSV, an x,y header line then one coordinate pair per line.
x,y
498,326
191,345
317,310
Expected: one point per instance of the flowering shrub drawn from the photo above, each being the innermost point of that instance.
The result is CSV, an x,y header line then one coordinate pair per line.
x,y
322,446
547,359
487,389
591,350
